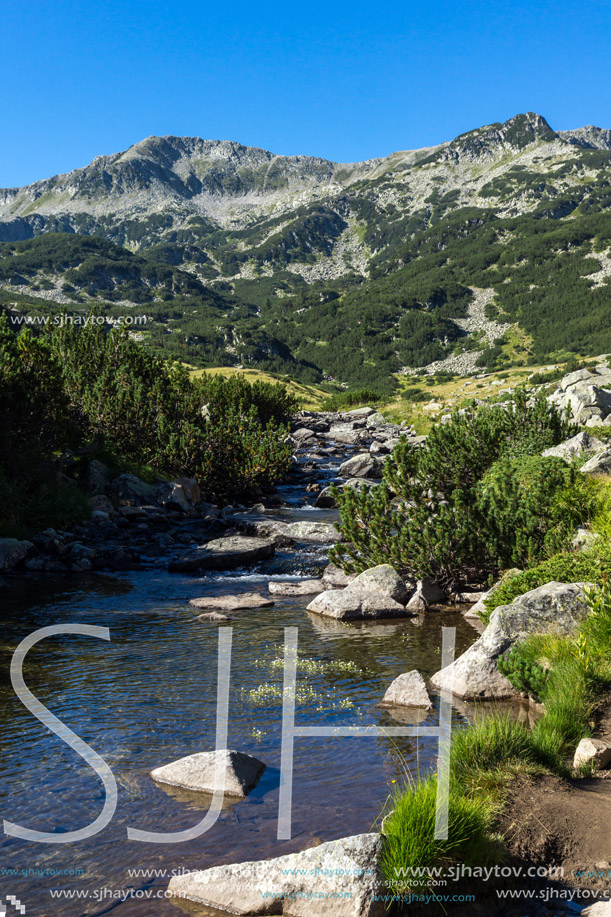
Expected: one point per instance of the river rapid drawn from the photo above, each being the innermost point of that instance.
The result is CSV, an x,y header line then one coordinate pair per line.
x,y
148,697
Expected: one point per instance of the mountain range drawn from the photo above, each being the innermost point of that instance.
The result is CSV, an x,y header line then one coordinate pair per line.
x,y
488,249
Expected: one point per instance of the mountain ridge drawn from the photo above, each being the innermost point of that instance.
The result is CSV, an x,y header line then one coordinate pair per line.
x,y
350,272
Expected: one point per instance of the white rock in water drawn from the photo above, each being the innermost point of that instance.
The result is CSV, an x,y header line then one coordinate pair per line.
x,y
305,587
593,751
356,604
407,690
232,602
224,554
197,772
213,616
383,579
315,532
337,879
600,909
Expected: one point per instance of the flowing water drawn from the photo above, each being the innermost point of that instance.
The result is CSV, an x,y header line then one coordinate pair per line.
x,y
148,697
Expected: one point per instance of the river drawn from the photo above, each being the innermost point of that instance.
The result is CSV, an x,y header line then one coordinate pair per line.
x,y
148,697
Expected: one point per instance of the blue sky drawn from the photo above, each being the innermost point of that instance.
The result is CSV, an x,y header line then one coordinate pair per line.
x,y
345,81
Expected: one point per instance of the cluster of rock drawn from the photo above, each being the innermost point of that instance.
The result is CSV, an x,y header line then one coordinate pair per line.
x,y
130,520
586,394
318,435
377,593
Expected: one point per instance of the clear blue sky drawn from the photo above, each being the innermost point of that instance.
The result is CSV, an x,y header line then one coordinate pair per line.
x,y
345,81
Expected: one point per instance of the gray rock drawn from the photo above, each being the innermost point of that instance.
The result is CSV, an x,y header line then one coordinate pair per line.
x,y
600,909
296,885
232,602
344,433
363,465
196,772
259,526
427,593
315,532
599,464
224,554
325,500
305,587
129,490
360,413
213,616
12,552
335,576
356,604
584,539
593,751
302,435
97,478
580,375
581,444
375,420
407,690
583,400
553,608
183,494
382,579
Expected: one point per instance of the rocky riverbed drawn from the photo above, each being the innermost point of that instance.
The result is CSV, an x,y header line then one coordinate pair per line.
x,y
148,697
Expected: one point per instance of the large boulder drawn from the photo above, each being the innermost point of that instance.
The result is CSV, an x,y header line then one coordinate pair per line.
x,y
12,552
356,605
376,593
344,433
129,490
359,413
584,400
197,772
599,464
183,494
580,445
345,872
600,909
363,465
97,478
383,579
375,420
224,554
407,690
554,608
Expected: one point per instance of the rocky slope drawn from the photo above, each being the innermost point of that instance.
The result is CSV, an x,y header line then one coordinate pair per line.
x,y
319,253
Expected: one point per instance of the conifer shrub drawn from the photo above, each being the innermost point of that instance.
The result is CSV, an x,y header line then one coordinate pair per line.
x,y
86,388
475,499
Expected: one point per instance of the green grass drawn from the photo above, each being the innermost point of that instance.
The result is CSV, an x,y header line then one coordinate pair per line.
x,y
487,756
409,834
